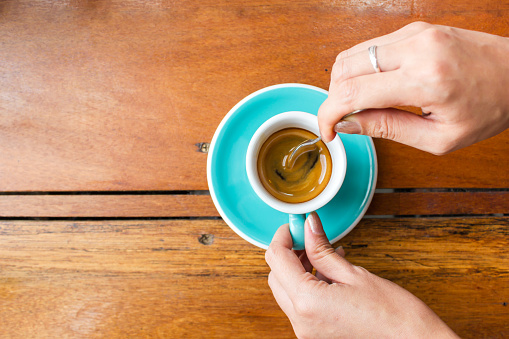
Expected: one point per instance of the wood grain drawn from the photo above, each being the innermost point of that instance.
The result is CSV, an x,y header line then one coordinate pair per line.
x,y
429,203
114,95
155,279
158,205
110,95
107,206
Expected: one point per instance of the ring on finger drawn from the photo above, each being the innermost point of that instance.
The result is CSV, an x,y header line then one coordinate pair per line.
x,y
373,58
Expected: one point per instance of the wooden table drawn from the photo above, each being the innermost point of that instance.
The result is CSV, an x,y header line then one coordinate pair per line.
x,y
107,228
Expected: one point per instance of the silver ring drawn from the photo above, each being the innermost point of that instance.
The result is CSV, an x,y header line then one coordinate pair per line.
x,y
374,60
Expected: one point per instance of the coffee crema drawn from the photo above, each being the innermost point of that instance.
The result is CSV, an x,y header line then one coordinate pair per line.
x,y
309,175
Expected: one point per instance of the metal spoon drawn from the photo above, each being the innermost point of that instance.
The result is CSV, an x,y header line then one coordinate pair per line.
x,y
306,143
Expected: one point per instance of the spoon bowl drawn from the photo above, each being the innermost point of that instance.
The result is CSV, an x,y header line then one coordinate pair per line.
x,y
300,149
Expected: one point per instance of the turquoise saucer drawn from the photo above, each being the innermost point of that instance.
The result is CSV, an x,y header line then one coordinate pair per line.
x,y
231,192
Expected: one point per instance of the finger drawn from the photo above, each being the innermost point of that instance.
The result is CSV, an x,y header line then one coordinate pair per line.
x,y
389,58
322,255
380,90
341,251
303,257
402,33
328,116
320,276
356,62
284,263
393,124
281,296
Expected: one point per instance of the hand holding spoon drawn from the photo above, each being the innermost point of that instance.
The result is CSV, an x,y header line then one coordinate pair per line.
x,y
289,161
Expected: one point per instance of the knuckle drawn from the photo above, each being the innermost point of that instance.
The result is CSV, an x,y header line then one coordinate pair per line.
x,y
348,90
335,75
270,279
385,127
322,251
380,128
342,55
438,74
268,254
444,86
340,70
304,307
418,26
326,113
271,254
433,37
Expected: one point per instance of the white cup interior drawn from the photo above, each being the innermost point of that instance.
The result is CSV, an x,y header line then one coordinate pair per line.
x,y
307,121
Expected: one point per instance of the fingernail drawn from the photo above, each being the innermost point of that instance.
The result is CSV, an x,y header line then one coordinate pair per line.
x,y
315,224
348,127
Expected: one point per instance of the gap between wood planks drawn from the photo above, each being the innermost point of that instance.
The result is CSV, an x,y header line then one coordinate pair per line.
x,y
94,205
206,192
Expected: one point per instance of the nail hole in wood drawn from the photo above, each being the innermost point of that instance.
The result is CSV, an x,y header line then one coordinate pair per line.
x,y
203,147
206,239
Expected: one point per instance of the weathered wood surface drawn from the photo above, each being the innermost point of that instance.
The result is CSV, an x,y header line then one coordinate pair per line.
x,y
107,279
179,205
114,95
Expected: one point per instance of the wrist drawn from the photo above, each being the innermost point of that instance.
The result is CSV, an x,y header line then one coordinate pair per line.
x,y
427,324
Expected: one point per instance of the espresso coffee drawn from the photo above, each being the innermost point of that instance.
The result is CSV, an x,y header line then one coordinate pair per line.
x,y
302,180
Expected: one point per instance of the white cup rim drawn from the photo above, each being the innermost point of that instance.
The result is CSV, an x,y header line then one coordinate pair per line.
x,y
308,122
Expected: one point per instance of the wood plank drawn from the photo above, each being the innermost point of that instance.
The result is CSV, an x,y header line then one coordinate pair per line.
x,y
155,279
155,205
483,165
113,95
429,203
107,206
464,261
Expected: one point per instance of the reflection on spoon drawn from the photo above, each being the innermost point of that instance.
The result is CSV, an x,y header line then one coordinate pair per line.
x,y
305,147
295,152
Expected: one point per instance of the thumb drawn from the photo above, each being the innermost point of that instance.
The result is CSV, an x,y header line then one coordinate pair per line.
x,y
393,124
321,254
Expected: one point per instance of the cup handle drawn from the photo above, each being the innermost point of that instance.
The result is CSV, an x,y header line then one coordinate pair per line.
x,y
297,230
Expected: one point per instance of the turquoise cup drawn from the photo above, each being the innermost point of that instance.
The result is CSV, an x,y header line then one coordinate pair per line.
x,y
296,211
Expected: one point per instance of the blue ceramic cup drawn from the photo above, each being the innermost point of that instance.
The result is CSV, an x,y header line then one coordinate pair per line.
x,y
296,211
